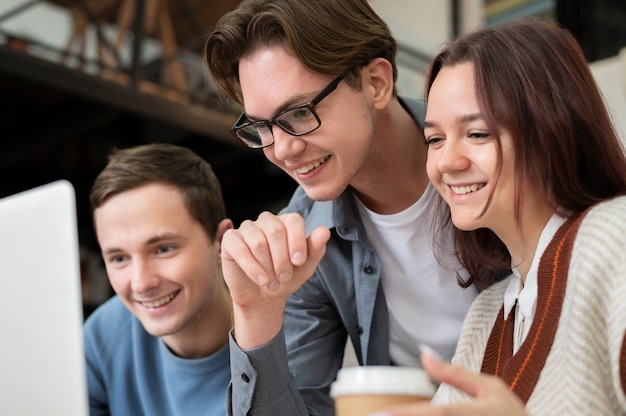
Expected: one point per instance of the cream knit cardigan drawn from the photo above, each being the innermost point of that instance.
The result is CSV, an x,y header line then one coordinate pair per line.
x,y
582,371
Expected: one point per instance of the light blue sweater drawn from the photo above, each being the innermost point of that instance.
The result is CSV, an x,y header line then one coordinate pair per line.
x,y
130,372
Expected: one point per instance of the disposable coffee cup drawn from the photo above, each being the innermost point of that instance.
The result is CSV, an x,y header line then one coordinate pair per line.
x,y
359,391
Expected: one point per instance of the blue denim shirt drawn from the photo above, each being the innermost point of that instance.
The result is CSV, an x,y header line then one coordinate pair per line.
x,y
342,299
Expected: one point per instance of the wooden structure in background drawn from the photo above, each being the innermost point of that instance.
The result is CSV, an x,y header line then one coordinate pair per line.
x,y
177,25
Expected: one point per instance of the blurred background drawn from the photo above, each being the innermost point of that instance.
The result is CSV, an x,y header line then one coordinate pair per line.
x,y
79,77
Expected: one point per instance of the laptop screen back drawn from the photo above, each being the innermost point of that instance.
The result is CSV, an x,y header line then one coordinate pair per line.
x,y
42,369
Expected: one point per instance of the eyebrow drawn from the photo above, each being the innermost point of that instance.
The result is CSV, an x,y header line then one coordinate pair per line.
x,y
291,102
151,241
463,119
163,237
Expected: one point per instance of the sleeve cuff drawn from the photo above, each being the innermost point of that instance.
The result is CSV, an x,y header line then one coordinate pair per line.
x,y
259,375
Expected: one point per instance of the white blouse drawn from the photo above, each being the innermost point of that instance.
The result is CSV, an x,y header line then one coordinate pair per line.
x,y
525,295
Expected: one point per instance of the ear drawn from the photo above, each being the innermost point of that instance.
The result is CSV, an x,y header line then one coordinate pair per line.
x,y
377,77
224,225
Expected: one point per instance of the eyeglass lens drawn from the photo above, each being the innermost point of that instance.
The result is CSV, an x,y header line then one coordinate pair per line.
x,y
296,121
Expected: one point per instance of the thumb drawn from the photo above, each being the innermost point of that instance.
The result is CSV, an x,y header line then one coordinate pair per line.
x,y
316,243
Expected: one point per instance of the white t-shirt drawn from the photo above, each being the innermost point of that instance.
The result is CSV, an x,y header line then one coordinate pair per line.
x,y
426,304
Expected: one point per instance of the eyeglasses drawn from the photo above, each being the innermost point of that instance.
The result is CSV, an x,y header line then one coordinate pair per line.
x,y
297,121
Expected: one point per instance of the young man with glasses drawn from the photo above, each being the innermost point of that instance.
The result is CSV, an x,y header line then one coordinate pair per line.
x,y
352,253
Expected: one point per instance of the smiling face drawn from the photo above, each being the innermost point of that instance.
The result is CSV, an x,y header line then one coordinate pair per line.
x,y
327,160
159,260
463,154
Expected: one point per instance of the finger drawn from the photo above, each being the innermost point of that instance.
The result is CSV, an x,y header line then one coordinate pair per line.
x,y
281,232
317,244
296,238
446,373
476,385
316,248
239,262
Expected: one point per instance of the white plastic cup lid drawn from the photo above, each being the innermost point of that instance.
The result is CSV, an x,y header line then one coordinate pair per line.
x,y
382,380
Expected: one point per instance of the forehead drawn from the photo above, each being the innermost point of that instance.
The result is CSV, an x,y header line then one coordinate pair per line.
x,y
452,92
142,211
272,78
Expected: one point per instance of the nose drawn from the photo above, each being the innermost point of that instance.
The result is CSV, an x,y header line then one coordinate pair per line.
x,y
143,278
285,145
452,156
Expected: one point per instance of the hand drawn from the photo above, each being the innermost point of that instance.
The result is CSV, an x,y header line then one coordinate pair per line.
x,y
263,262
490,394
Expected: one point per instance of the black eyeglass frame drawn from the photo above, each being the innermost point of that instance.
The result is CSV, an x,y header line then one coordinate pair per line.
x,y
309,105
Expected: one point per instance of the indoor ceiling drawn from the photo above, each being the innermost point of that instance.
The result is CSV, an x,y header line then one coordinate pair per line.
x,y
192,19
60,122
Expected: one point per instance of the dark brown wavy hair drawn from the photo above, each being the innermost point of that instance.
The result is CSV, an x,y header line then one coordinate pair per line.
x,y
327,36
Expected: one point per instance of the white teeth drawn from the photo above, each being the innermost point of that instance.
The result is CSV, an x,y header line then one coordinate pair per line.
x,y
462,190
310,167
160,302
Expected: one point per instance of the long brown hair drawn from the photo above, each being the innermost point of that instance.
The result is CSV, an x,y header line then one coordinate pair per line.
x,y
532,79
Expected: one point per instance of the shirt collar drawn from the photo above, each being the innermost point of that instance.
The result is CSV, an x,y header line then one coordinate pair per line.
x,y
526,294
340,213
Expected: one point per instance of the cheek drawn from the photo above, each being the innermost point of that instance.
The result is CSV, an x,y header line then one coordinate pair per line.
x,y
117,279
506,185
192,268
431,167
505,176
269,154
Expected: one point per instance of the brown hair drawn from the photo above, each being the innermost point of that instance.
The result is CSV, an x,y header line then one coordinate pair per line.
x,y
532,79
327,36
166,164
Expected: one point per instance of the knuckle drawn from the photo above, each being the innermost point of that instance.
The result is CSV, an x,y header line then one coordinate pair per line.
x,y
265,216
292,218
257,244
275,231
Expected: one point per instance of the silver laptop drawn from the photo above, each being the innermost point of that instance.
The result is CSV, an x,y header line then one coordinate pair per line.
x,y
42,367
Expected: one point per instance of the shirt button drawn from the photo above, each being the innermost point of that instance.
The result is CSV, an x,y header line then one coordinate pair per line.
x,y
368,269
245,378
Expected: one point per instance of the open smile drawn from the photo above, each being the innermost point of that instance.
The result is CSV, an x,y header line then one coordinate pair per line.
x,y
160,302
311,166
466,189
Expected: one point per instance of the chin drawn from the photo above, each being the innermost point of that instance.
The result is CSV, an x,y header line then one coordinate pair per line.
x,y
321,193
464,224
163,326
160,330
